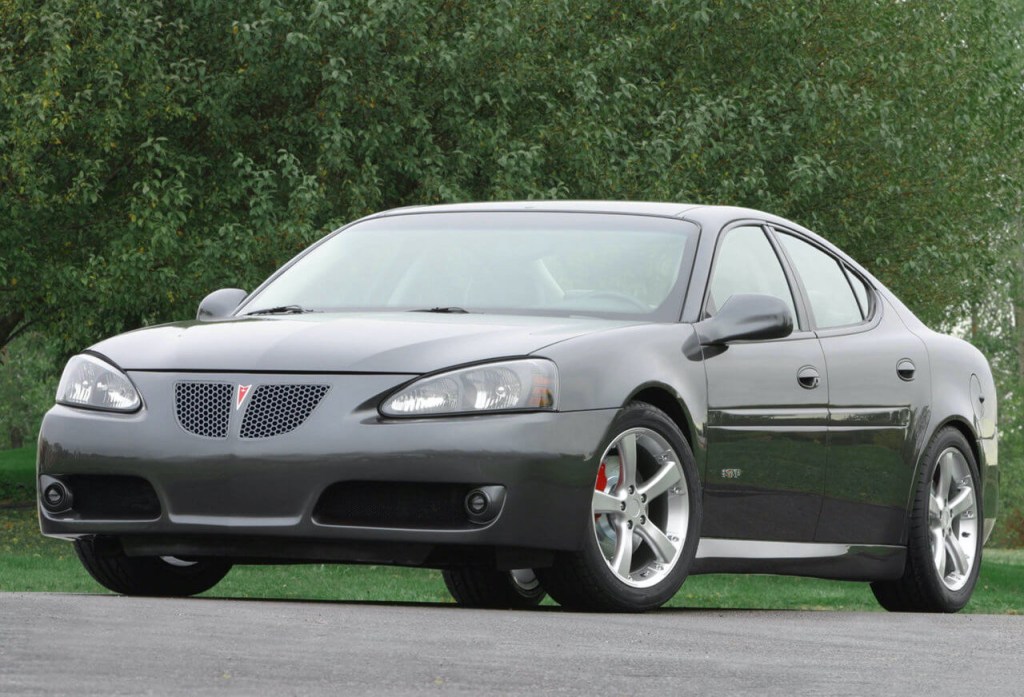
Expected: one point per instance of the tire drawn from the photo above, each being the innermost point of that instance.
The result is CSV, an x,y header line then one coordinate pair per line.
x,y
644,524
488,588
945,538
154,576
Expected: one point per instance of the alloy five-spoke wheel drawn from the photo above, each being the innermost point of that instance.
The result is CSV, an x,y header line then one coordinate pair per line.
x,y
945,536
644,520
640,523
953,519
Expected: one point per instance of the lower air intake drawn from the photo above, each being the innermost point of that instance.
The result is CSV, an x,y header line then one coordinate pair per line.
x,y
112,497
394,505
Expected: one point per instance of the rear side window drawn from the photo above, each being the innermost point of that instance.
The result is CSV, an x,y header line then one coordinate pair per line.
x,y
832,298
861,291
746,263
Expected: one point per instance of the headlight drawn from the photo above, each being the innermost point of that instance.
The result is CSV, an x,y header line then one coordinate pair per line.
x,y
95,384
530,384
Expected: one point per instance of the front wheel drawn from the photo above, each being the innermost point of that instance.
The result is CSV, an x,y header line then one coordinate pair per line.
x,y
945,539
644,523
156,576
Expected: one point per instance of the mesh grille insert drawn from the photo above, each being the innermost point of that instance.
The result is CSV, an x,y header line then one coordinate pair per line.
x,y
423,505
277,409
203,408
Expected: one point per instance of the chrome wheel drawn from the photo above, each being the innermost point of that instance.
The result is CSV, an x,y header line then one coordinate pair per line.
x,y
953,519
174,561
525,581
641,507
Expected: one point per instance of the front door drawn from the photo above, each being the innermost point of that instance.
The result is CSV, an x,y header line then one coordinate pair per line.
x,y
767,409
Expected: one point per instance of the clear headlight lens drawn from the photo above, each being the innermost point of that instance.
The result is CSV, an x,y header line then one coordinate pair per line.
x,y
527,384
95,384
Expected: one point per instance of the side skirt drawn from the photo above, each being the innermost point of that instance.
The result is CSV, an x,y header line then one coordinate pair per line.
x,y
845,562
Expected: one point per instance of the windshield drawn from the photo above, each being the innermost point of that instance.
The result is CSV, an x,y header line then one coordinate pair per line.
x,y
521,262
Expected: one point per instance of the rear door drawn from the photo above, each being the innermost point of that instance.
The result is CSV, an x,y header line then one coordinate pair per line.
x,y
878,386
767,407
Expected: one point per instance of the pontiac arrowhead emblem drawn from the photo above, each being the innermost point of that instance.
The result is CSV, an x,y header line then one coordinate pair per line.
x,y
243,390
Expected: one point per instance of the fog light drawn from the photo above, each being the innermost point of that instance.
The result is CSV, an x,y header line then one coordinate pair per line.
x,y
476,503
483,504
56,496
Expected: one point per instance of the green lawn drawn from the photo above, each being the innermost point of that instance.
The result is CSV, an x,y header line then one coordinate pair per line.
x,y
17,472
31,562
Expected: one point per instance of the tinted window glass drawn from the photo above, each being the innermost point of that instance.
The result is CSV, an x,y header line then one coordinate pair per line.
x,y
861,291
746,263
515,262
832,300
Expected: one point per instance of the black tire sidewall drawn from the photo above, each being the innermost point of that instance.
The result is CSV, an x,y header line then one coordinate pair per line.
x,y
489,588
147,576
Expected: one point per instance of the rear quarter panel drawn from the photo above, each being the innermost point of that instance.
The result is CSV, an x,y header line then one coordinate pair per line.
x,y
964,391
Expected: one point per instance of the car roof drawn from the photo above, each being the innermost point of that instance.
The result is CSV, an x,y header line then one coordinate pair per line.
x,y
672,210
697,212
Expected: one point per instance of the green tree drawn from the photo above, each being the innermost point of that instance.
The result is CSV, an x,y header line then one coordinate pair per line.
x,y
151,151
28,376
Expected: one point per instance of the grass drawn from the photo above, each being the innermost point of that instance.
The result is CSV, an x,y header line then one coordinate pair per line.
x,y
17,474
30,562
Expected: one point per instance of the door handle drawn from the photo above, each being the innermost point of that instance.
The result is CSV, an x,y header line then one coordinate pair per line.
x,y
808,377
905,369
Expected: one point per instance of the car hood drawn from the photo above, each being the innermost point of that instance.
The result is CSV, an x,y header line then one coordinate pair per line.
x,y
393,342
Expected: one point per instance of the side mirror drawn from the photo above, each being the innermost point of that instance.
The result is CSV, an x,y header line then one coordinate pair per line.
x,y
220,303
747,317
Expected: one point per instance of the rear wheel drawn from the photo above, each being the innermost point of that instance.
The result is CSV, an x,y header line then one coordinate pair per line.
x,y
156,576
489,588
945,540
644,521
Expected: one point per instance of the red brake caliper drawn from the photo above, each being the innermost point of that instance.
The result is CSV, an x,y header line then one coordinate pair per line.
x,y
601,483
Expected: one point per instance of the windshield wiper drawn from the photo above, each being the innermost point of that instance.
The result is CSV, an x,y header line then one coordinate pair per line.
x,y
445,310
281,310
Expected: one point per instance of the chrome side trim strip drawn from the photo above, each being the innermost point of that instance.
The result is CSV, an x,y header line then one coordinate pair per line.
x,y
850,562
717,548
881,417
771,418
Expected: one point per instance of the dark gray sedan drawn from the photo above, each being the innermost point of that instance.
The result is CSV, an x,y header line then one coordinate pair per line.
x,y
587,399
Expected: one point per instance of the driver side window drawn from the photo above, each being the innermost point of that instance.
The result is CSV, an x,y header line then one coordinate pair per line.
x,y
747,263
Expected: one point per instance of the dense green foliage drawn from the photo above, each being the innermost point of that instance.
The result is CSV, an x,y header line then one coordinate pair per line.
x,y
151,151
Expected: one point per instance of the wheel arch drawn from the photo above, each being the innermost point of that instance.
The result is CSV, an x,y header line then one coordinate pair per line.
x,y
665,398
966,429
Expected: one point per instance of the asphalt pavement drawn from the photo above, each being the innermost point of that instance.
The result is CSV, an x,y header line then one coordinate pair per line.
x,y
106,645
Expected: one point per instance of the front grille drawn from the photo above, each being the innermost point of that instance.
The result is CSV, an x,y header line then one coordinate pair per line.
x,y
394,505
203,408
277,409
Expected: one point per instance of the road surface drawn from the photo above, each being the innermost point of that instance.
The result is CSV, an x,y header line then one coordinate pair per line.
x,y
53,644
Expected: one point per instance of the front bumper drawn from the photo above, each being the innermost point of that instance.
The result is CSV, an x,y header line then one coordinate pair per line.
x,y
256,499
